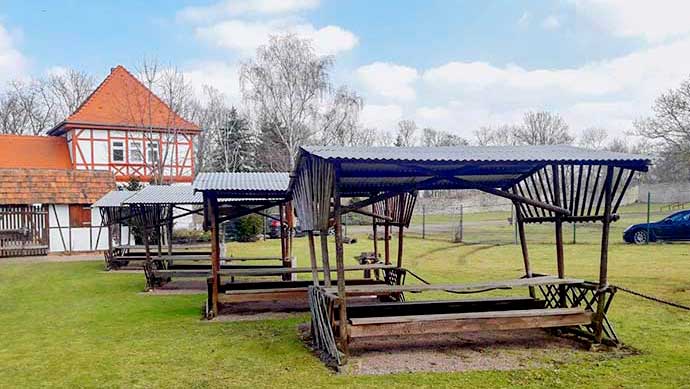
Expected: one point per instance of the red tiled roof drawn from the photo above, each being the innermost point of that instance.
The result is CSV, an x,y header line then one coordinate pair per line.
x,y
122,100
40,152
53,186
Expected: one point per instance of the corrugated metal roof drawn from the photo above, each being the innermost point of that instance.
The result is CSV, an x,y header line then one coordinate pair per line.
x,y
113,198
542,153
166,194
242,182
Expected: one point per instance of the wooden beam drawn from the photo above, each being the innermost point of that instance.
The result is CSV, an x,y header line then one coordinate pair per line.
x,y
312,258
569,219
323,235
340,262
212,204
373,215
479,321
523,245
367,202
604,259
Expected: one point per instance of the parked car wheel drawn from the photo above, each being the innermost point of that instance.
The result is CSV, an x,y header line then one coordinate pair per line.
x,y
640,237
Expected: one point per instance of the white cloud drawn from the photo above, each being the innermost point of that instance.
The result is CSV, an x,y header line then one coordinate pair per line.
x,y
383,117
654,21
388,80
551,22
610,93
232,8
220,75
12,62
524,19
246,36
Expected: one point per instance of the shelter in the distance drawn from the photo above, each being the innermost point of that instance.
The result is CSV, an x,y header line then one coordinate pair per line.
x,y
547,184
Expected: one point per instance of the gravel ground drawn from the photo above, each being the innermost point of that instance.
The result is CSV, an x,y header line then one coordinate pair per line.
x,y
472,351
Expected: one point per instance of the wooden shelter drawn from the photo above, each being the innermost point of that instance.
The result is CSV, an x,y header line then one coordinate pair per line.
x,y
154,209
231,195
547,184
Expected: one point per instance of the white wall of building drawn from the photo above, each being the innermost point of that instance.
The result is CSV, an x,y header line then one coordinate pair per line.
x,y
63,238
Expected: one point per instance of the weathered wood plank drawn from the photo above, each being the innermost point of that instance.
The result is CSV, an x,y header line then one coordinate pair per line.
x,y
487,321
545,280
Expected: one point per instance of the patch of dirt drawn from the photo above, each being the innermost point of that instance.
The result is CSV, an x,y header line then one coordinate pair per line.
x,y
471,351
55,258
257,316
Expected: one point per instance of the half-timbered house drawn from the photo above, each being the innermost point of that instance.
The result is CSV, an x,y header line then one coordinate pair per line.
x,y
125,128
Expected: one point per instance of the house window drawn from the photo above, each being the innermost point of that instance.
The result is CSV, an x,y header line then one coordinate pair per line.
x,y
152,152
136,154
79,215
118,151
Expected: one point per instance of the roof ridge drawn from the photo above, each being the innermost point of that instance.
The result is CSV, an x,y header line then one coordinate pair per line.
x,y
172,118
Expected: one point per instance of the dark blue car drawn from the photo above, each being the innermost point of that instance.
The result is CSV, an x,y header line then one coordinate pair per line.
x,y
673,227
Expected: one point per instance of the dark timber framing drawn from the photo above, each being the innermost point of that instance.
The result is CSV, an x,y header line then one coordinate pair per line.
x,y
547,184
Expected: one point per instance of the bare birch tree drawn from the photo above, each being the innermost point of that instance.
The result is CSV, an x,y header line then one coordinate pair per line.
x,y
287,81
542,128
434,138
405,136
593,138
70,89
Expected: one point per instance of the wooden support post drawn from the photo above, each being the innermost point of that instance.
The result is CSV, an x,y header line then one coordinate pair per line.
x,y
170,231
212,204
604,260
401,234
323,234
283,240
110,241
523,245
291,229
374,234
340,264
387,243
560,260
312,258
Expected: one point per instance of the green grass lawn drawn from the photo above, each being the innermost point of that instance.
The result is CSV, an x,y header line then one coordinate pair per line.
x,y
71,324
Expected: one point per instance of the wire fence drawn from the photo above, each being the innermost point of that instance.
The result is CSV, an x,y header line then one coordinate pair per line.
x,y
495,225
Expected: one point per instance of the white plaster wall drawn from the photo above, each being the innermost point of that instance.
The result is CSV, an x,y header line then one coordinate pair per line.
x,y
58,215
81,239
85,147
100,153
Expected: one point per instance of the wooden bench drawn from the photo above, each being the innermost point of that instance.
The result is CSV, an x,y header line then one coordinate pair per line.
x,y
240,292
468,321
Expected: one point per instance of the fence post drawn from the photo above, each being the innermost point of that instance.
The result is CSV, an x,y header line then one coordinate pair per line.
x,y
574,233
513,218
462,238
649,208
423,221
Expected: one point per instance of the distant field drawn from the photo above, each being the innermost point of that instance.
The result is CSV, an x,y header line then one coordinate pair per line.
x,y
73,325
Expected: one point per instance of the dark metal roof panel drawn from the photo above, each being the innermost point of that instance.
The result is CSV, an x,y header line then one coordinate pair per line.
x,y
113,198
545,153
242,182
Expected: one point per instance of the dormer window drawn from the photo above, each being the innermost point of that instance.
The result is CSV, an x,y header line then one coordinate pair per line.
x,y
118,151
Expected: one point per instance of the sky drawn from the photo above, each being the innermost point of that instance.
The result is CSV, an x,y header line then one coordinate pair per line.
x,y
451,65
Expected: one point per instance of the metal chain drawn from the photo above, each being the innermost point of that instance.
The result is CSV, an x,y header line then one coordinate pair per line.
x,y
652,298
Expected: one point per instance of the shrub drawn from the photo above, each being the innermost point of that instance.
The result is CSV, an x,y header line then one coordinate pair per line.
x,y
247,228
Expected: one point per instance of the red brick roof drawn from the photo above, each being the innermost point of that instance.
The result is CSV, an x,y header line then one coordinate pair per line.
x,y
122,100
41,152
53,186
